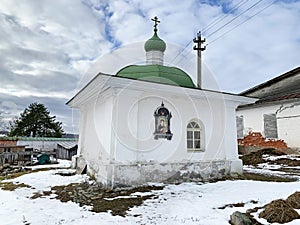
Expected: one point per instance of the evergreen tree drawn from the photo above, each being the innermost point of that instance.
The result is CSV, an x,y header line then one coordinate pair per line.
x,y
36,121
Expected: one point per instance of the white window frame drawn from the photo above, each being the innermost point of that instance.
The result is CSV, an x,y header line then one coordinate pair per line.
x,y
194,126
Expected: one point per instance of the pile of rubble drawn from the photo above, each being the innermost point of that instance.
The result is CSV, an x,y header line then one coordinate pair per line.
x,y
257,139
278,211
258,156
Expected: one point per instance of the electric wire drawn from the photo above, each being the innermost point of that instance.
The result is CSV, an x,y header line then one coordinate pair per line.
x,y
226,24
233,19
267,6
222,17
210,25
179,53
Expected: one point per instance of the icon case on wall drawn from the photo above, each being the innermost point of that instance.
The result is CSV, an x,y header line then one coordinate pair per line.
x,y
162,123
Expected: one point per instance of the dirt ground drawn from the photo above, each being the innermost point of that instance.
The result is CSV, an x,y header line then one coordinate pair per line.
x,y
256,157
117,201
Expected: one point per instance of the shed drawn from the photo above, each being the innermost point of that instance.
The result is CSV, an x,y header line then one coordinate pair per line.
x,y
65,150
14,154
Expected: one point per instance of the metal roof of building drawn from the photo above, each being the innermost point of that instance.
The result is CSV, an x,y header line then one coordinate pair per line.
x,y
68,145
287,83
157,74
37,139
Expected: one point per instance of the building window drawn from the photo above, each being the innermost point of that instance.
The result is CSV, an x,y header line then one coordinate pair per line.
x,y
195,136
240,126
270,126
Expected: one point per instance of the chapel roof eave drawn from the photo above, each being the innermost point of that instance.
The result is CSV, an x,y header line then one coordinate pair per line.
x,y
89,86
103,82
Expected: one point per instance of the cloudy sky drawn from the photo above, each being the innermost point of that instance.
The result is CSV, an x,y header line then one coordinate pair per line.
x,y
49,47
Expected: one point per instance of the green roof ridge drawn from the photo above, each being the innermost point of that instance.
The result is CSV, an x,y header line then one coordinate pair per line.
x,y
37,139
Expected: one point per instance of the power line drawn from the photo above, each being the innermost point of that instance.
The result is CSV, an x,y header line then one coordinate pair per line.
x,y
255,4
222,17
209,26
241,23
234,8
179,53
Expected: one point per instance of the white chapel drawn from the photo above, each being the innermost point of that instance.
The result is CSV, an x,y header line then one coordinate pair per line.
x,y
151,123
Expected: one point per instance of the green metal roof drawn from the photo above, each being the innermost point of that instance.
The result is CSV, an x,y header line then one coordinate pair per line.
x,y
37,139
158,74
155,44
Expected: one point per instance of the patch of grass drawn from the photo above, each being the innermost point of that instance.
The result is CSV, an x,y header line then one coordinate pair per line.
x,y
13,175
290,171
10,186
119,206
40,194
288,162
116,201
240,204
18,174
263,177
256,157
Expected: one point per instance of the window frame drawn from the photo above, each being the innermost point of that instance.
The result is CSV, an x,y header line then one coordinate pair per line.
x,y
270,126
239,126
193,127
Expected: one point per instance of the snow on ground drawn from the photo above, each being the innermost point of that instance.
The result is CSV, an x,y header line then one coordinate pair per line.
x,y
61,164
265,169
270,169
273,158
187,203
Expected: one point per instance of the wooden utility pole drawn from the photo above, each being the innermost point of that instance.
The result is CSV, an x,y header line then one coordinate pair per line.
x,y
199,41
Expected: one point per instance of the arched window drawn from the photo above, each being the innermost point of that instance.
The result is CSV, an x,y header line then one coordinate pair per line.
x,y
195,136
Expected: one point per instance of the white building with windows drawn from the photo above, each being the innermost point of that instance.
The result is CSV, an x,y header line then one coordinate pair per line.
x,y
276,115
151,123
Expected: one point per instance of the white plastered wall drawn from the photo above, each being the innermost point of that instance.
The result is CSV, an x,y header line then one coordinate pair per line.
x,y
288,120
135,142
95,145
288,123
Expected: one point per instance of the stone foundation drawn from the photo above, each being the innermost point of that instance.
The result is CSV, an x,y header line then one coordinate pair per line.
x,y
141,173
138,174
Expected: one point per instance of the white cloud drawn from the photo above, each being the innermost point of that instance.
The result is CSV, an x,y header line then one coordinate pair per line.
x,y
258,50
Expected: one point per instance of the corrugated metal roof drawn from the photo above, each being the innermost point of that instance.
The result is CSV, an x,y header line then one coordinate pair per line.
x,y
279,98
272,81
68,144
37,139
274,100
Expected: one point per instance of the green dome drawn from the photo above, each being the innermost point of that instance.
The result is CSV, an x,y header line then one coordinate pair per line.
x,y
155,44
158,74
